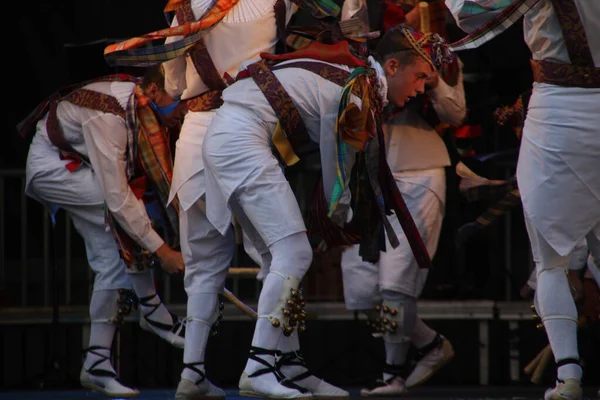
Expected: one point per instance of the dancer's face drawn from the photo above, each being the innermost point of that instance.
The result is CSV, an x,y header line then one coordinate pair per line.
x,y
406,81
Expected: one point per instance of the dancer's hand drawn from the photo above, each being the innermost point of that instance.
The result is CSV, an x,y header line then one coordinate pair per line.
x,y
170,260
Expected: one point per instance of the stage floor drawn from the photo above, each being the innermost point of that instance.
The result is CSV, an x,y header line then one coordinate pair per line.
x,y
458,393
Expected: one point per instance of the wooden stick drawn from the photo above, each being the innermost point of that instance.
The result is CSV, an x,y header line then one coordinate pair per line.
x,y
538,374
240,304
425,20
530,368
244,271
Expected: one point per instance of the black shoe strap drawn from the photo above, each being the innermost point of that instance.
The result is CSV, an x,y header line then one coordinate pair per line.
x,y
566,361
255,352
92,370
436,343
293,358
144,301
396,370
192,366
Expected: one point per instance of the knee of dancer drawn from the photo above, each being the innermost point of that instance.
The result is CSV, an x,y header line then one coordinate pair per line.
x,y
400,311
553,297
292,255
551,268
104,305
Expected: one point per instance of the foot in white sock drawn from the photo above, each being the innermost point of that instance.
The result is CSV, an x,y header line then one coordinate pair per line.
x,y
203,313
200,389
98,374
569,389
391,387
430,359
261,378
293,367
157,319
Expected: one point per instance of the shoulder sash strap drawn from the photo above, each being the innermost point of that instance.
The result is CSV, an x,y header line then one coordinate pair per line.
x,y
573,33
199,53
84,98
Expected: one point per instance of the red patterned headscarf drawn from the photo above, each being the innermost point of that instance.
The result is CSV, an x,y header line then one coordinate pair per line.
x,y
431,46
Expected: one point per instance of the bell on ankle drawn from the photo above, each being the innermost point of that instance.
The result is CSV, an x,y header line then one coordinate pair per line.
x,y
275,323
287,331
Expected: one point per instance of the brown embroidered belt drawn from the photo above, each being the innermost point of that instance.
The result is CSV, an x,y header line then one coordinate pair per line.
x,y
209,100
565,74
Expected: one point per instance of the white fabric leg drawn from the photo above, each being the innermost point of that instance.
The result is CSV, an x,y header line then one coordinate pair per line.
x,y
154,315
398,269
81,196
397,343
207,253
144,288
360,281
291,258
101,250
554,302
103,311
202,313
97,372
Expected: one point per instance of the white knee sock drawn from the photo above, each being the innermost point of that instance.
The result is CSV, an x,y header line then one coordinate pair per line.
x,y
202,309
398,343
103,309
143,285
265,335
291,257
556,307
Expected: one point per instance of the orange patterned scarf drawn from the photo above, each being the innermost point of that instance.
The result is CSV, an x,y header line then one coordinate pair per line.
x,y
214,15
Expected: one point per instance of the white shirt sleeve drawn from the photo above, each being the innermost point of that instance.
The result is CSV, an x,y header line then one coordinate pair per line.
x,y
449,101
106,141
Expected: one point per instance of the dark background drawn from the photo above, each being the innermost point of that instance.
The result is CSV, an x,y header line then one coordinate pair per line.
x,y
53,43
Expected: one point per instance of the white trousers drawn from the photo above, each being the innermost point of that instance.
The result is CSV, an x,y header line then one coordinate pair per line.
x,y
80,196
207,254
397,269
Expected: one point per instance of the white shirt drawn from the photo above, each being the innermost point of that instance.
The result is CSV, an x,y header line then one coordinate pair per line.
x,y
102,138
246,31
412,144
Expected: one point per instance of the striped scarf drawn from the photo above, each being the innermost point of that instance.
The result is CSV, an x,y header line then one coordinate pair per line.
x,y
363,130
141,52
150,181
508,12
132,53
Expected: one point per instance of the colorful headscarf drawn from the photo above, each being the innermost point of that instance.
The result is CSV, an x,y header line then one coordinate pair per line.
x,y
431,46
